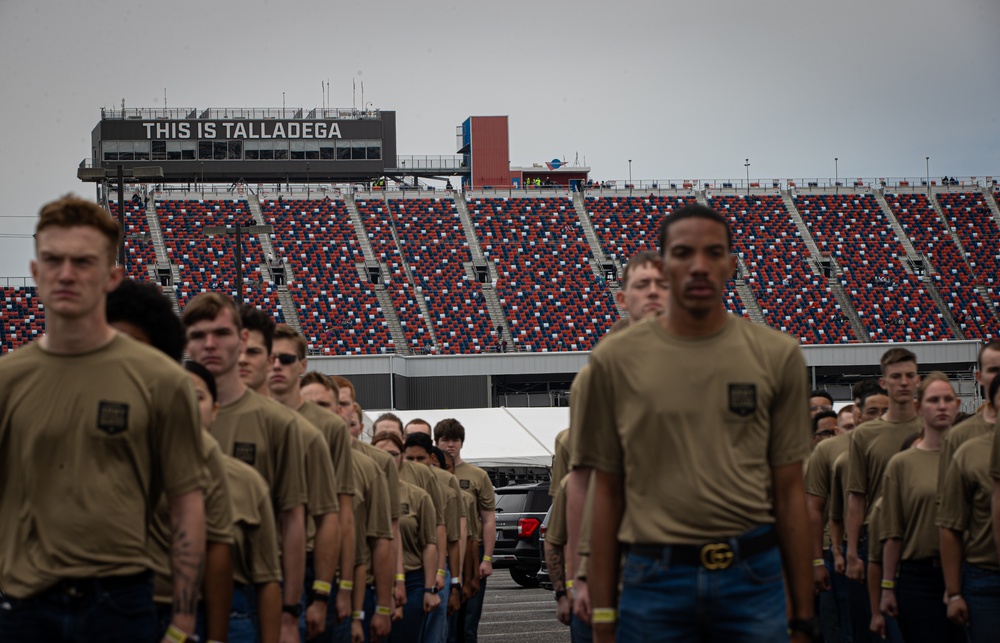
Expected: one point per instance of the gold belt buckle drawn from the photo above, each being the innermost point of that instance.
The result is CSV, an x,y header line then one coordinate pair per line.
x,y
717,556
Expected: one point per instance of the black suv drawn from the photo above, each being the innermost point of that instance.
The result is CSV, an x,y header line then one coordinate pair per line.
x,y
520,510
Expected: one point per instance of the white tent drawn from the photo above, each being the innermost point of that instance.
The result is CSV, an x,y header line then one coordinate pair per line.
x,y
500,437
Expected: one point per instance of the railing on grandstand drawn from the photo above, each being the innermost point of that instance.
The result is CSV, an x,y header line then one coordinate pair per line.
x,y
249,113
736,186
17,282
428,162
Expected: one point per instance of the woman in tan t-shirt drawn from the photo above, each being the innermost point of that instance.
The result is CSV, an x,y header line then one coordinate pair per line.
x,y
910,551
418,532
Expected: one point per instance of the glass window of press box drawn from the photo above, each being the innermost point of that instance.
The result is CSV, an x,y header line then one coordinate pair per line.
x,y
242,149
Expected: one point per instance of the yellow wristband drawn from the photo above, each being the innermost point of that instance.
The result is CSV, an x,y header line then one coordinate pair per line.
x,y
569,584
175,635
818,562
358,615
321,587
441,572
888,584
487,559
603,615
383,610
400,577
346,584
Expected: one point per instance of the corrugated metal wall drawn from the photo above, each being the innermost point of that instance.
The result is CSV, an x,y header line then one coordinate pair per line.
x,y
464,392
490,151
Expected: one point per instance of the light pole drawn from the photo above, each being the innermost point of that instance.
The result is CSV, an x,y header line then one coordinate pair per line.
x,y
238,231
630,177
927,170
308,192
836,176
746,164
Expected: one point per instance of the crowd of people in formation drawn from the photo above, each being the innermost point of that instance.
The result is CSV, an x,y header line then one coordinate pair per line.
x,y
228,497
702,491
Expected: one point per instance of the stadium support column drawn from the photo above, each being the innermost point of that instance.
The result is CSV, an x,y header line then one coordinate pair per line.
x,y
121,213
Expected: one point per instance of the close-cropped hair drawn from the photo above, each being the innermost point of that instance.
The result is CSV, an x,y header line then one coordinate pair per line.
x,y
860,388
71,211
930,378
382,436
820,416
821,393
343,382
421,440
143,305
644,258
389,417
284,331
206,376
693,211
327,382
449,429
870,392
896,356
441,457
847,409
206,306
418,421
991,346
254,318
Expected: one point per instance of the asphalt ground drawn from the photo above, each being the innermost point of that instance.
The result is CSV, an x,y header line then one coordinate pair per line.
x,y
514,613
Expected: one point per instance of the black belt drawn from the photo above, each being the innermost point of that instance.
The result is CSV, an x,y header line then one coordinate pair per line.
x,y
714,555
81,587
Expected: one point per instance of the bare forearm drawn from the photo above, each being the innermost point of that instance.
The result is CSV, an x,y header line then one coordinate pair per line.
x,y
358,593
442,548
837,533
293,550
576,495
218,590
463,541
951,560
347,538
429,559
791,525
269,612
555,564
489,532
455,558
187,556
605,551
891,549
875,587
995,511
857,505
382,569
815,506
327,546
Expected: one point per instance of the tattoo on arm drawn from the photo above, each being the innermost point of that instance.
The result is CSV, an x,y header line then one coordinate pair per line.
x,y
554,561
187,566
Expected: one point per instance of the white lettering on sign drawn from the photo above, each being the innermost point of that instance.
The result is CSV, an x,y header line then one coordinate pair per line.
x,y
243,129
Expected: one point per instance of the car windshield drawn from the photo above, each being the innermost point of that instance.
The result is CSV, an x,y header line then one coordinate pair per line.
x,y
512,502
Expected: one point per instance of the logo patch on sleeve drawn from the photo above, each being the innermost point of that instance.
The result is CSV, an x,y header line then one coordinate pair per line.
x,y
404,509
743,399
464,484
245,451
112,417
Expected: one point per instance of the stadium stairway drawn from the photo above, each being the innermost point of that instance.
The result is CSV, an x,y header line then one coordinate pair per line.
x,y
991,202
833,277
600,259
983,291
746,293
160,248
284,296
490,296
371,261
915,258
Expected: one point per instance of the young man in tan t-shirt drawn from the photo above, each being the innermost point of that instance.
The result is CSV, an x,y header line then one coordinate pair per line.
x,y
77,477
696,424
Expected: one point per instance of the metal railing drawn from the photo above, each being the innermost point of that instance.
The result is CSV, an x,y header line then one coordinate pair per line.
x,y
17,282
249,113
816,183
451,162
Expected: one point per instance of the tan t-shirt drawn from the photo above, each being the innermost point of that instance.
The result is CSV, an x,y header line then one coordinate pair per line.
x,y
577,393
256,559
838,492
695,426
88,443
875,537
995,455
321,480
218,519
372,510
477,482
454,509
965,501
337,436
261,432
819,474
417,524
555,532
474,525
958,435
387,465
872,445
909,490
420,475
560,461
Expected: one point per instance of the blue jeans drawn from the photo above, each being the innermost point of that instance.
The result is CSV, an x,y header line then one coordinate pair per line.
x,y
838,585
687,603
857,600
411,628
826,606
118,610
981,589
463,625
334,631
366,622
243,623
579,631
923,617
436,624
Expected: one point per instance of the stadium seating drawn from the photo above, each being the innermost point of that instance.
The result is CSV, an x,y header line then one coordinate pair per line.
x,y
954,281
434,246
339,314
972,220
22,315
892,304
550,295
139,251
628,225
792,297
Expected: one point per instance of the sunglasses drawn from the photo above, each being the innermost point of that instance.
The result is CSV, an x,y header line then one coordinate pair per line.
x,y
286,359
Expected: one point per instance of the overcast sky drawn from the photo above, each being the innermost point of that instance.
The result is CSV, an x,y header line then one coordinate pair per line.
x,y
684,91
